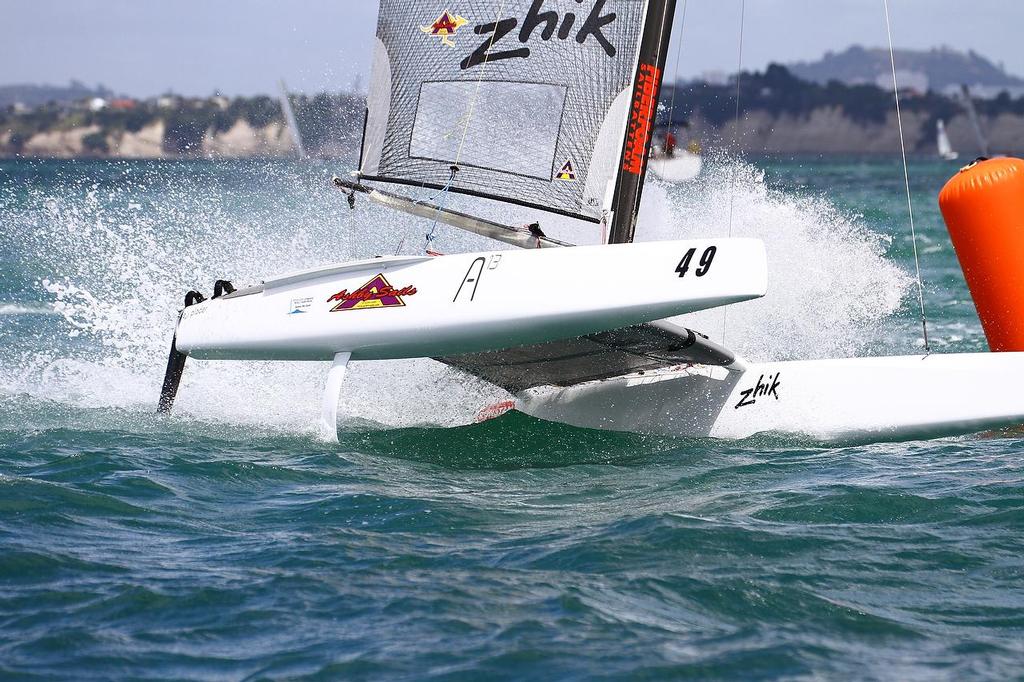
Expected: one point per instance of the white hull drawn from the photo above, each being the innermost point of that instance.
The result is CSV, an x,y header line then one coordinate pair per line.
x,y
679,167
860,399
472,302
466,308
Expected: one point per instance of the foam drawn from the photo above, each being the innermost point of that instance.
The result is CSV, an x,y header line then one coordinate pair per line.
x,y
831,291
12,309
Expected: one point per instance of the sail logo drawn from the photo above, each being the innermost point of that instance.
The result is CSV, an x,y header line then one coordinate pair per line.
x,y
551,25
445,27
377,293
567,173
641,118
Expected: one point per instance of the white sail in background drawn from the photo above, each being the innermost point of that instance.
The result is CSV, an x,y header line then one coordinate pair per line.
x,y
942,139
289,117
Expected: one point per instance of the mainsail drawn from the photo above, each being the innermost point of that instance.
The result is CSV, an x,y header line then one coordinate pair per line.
x,y
523,101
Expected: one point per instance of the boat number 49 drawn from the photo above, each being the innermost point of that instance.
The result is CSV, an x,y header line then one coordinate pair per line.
x,y
703,266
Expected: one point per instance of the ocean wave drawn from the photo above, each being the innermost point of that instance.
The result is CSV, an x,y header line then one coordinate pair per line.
x,y
22,309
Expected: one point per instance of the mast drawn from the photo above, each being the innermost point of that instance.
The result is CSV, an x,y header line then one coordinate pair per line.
x,y
972,114
636,146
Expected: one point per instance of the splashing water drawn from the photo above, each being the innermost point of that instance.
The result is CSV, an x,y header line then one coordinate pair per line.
x,y
111,248
831,290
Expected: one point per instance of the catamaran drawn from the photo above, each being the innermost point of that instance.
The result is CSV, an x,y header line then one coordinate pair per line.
x,y
671,164
550,104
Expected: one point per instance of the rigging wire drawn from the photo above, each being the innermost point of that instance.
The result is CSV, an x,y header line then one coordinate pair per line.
x,y
430,236
675,82
735,141
479,80
906,180
443,194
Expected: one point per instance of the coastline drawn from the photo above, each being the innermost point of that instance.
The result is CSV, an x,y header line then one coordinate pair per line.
x,y
242,140
823,130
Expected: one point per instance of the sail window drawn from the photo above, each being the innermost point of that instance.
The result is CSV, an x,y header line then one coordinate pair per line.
x,y
506,127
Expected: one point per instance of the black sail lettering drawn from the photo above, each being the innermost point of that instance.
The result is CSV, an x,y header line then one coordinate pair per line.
x,y
498,30
592,27
566,27
535,18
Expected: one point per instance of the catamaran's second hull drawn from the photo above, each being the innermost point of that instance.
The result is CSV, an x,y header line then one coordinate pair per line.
x,y
847,400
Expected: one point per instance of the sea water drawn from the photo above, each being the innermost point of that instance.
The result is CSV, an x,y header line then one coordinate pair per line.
x,y
228,542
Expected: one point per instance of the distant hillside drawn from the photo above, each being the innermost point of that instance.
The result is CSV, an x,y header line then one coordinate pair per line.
x,y
780,113
171,126
32,95
940,69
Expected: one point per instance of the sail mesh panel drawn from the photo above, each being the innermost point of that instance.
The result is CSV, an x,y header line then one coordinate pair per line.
x,y
522,126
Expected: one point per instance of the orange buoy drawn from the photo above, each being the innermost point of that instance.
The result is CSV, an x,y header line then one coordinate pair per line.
x,y
983,206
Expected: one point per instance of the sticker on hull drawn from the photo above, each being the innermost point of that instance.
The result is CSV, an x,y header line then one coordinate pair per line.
x,y
298,306
762,389
377,293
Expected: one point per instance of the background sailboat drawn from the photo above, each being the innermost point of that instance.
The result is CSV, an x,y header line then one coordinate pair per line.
x,y
289,117
942,142
673,163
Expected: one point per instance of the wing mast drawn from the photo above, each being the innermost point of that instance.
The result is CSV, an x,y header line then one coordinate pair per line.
x,y
636,144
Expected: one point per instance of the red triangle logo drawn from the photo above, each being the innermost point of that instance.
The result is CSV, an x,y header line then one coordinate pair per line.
x,y
377,293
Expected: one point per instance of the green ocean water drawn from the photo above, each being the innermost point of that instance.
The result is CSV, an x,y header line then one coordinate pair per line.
x,y
228,542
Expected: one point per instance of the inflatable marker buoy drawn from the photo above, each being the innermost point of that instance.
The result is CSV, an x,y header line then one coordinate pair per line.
x,y
983,206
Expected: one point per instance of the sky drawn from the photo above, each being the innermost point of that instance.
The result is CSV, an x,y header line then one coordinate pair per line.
x,y
243,47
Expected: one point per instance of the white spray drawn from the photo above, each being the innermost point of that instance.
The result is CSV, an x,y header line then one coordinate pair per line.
x,y
116,257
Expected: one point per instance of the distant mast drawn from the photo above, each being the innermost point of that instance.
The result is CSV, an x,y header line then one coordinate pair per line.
x,y
636,146
289,117
972,114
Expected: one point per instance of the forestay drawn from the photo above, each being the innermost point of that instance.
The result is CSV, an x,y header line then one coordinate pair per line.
x,y
528,98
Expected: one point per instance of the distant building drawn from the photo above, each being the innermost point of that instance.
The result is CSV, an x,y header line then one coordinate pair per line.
x,y
715,77
123,104
97,104
168,101
909,81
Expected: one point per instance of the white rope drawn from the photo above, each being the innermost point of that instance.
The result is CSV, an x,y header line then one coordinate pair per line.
x,y
906,180
735,142
736,130
468,118
476,92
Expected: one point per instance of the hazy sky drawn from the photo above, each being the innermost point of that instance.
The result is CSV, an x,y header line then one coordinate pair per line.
x,y
145,47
